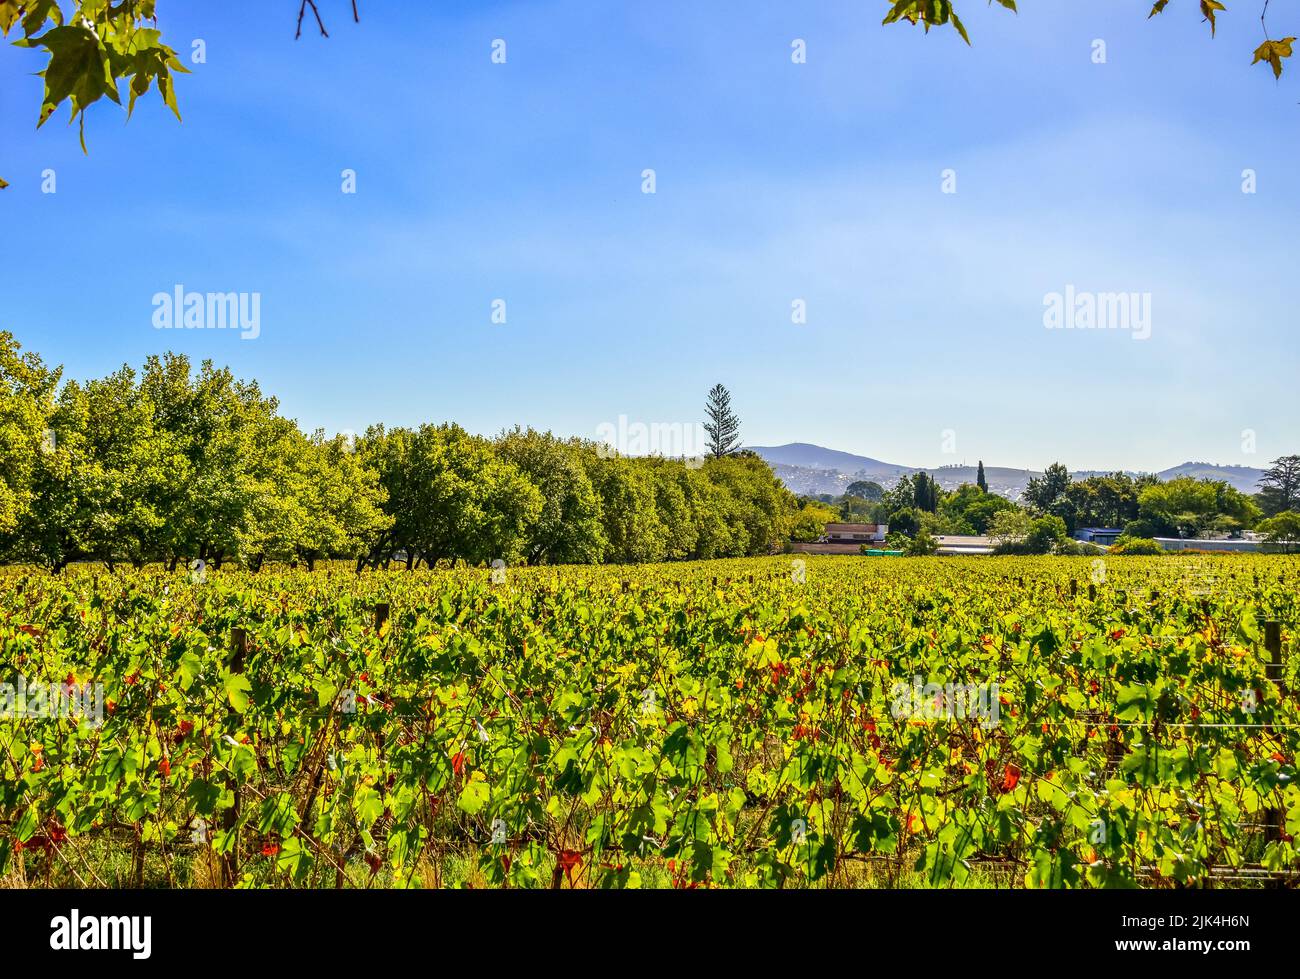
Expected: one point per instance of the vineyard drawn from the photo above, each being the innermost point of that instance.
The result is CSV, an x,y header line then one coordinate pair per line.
x,y
777,722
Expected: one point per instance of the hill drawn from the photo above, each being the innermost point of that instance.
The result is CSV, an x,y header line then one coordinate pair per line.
x,y
814,469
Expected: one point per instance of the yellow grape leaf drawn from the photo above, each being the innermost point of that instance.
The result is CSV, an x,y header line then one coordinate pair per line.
x,y
1273,52
1208,7
1160,6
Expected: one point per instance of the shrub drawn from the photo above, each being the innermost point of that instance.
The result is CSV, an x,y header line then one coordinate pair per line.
x,y
921,545
1079,548
1135,545
1045,535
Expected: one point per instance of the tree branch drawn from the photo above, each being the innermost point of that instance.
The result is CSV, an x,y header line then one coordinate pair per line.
x,y
302,10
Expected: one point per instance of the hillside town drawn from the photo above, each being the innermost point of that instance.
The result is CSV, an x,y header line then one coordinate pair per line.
x,y
1114,513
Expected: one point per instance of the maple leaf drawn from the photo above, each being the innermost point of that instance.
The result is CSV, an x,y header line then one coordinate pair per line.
x,y
1273,52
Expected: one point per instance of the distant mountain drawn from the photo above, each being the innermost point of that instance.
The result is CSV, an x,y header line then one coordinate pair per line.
x,y
1244,478
812,469
807,456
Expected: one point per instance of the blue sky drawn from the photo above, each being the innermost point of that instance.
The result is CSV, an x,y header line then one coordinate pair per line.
x,y
776,182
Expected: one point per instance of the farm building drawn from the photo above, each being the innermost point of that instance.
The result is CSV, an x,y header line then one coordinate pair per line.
x,y
855,533
954,544
1225,544
1102,536
844,538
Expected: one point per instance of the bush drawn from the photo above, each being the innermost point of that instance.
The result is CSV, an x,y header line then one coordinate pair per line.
x,y
1282,530
1135,545
1045,535
896,540
1078,548
1012,548
921,545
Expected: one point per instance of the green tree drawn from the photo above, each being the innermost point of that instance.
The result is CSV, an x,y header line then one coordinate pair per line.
x,y
926,494
341,501
905,520
674,505
1105,501
1049,495
708,506
236,450
1191,507
631,522
810,522
27,389
99,486
975,507
865,489
943,524
1009,526
1045,492
722,427
1279,487
568,530
449,495
756,506
1045,535
1282,529
980,480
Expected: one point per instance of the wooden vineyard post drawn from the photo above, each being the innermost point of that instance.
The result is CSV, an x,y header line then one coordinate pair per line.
x,y
230,859
1092,591
1273,646
381,615
1074,587
1273,666
238,649
625,586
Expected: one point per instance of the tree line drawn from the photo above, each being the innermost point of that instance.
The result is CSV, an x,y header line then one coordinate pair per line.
x,y
171,463
1055,505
